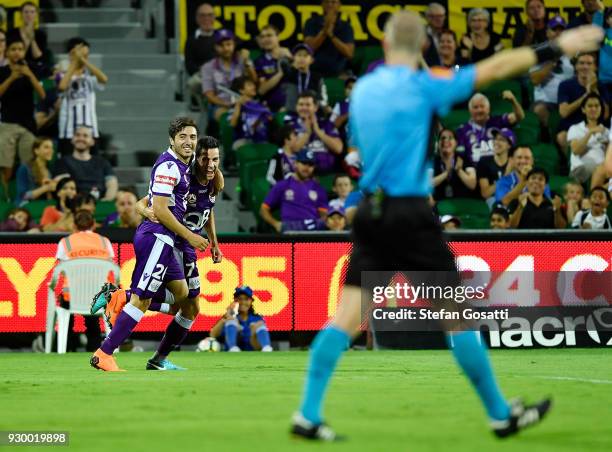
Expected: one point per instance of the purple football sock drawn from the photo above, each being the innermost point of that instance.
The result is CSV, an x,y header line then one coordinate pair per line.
x,y
175,335
127,320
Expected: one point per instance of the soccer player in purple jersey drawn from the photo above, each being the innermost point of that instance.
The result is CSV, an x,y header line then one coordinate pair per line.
x,y
153,246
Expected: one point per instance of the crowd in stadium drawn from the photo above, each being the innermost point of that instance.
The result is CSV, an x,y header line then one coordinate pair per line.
x,y
524,154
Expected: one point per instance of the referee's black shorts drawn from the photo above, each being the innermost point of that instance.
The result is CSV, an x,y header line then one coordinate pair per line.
x,y
404,237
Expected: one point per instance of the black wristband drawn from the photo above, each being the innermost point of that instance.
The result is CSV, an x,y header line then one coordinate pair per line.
x,y
547,51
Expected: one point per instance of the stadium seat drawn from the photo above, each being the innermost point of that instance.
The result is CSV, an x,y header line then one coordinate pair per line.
x,y
455,118
335,90
4,209
36,208
279,118
260,188
557,183
545,155
463,206
364,55
226,133
104,209
253,170
256,152
495,90
326,182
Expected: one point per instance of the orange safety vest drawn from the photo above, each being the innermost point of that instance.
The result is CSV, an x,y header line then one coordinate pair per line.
x,y
84,245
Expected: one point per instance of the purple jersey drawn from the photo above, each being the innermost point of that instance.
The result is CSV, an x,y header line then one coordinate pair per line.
x,y
253,123
324,158
200,203
476,141
298,200
170,178
266,66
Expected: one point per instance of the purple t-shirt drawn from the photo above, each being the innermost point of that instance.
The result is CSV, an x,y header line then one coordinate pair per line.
x,y
169,177
200,203
253,123
325,159
266,66
476,141
298,200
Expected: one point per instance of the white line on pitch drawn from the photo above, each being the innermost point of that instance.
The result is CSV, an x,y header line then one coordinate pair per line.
x,y
584,380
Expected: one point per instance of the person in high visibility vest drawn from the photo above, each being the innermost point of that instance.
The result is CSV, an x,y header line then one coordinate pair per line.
x,y
83,244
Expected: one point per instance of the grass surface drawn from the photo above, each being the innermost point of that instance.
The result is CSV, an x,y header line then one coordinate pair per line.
x,y
384,401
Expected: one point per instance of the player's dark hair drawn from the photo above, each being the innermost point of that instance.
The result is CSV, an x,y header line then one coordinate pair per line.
x,y
73,42
308,93
204,145
179,124
84,220
538,170
602,189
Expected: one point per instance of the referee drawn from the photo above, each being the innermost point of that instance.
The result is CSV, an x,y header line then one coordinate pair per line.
x,y
391,112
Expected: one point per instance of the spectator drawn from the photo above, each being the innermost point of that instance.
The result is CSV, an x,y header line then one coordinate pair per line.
x,y
17,87
219,73
475,138
300,78
200,49
34,40
492,168
339,115
315,134
18,220
447,50
341,186
302,201
92,173
250,118
3,60
509,187
126,215
499,218
601,177
331,39
573,194
59,218
450,223
243,328
603,18
78,86
573,91
83,243
271,67
547,77
586,18
534,210
46,113
454,176
33,178
588,140
534,31
336,219
283,163
435,15
595,217
478,43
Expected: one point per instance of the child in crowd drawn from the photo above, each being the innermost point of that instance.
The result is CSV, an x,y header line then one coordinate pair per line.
x,y
341,186
339,115
499,218
336,219
283,163
573,194
300,78
18,220
595,217
249,117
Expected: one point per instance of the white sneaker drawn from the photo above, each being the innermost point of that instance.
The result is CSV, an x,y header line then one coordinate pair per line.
x,y
235,348
267,348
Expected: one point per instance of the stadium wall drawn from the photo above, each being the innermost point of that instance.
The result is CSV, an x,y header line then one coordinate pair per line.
x,y
296,278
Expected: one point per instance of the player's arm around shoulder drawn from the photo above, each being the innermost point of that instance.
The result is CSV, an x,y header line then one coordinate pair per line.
x,y
163,213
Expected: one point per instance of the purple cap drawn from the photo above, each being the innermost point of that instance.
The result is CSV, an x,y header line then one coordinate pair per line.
x,y
223,35
303,46
243,290
507,134
557,22
336,211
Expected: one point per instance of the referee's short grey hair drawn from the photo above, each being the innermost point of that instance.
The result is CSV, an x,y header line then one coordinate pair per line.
x,y
479,12
404,31
478,96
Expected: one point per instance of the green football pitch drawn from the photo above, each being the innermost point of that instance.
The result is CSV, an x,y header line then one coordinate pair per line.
x,y
383,401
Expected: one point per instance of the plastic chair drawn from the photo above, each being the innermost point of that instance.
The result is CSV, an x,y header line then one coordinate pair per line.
x,y
85,277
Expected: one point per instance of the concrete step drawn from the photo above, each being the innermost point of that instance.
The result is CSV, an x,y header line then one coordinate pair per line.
x,y
134,61
133,174
226,225
61,32
72,3
115,46
246,221
89,15
118,108
154,125
230,187
141,76
142,188
124,94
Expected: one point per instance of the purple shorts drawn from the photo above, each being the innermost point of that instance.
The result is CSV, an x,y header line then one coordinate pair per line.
x,y
156,264
189,260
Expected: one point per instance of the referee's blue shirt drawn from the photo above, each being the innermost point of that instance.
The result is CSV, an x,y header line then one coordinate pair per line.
x,y
390,112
